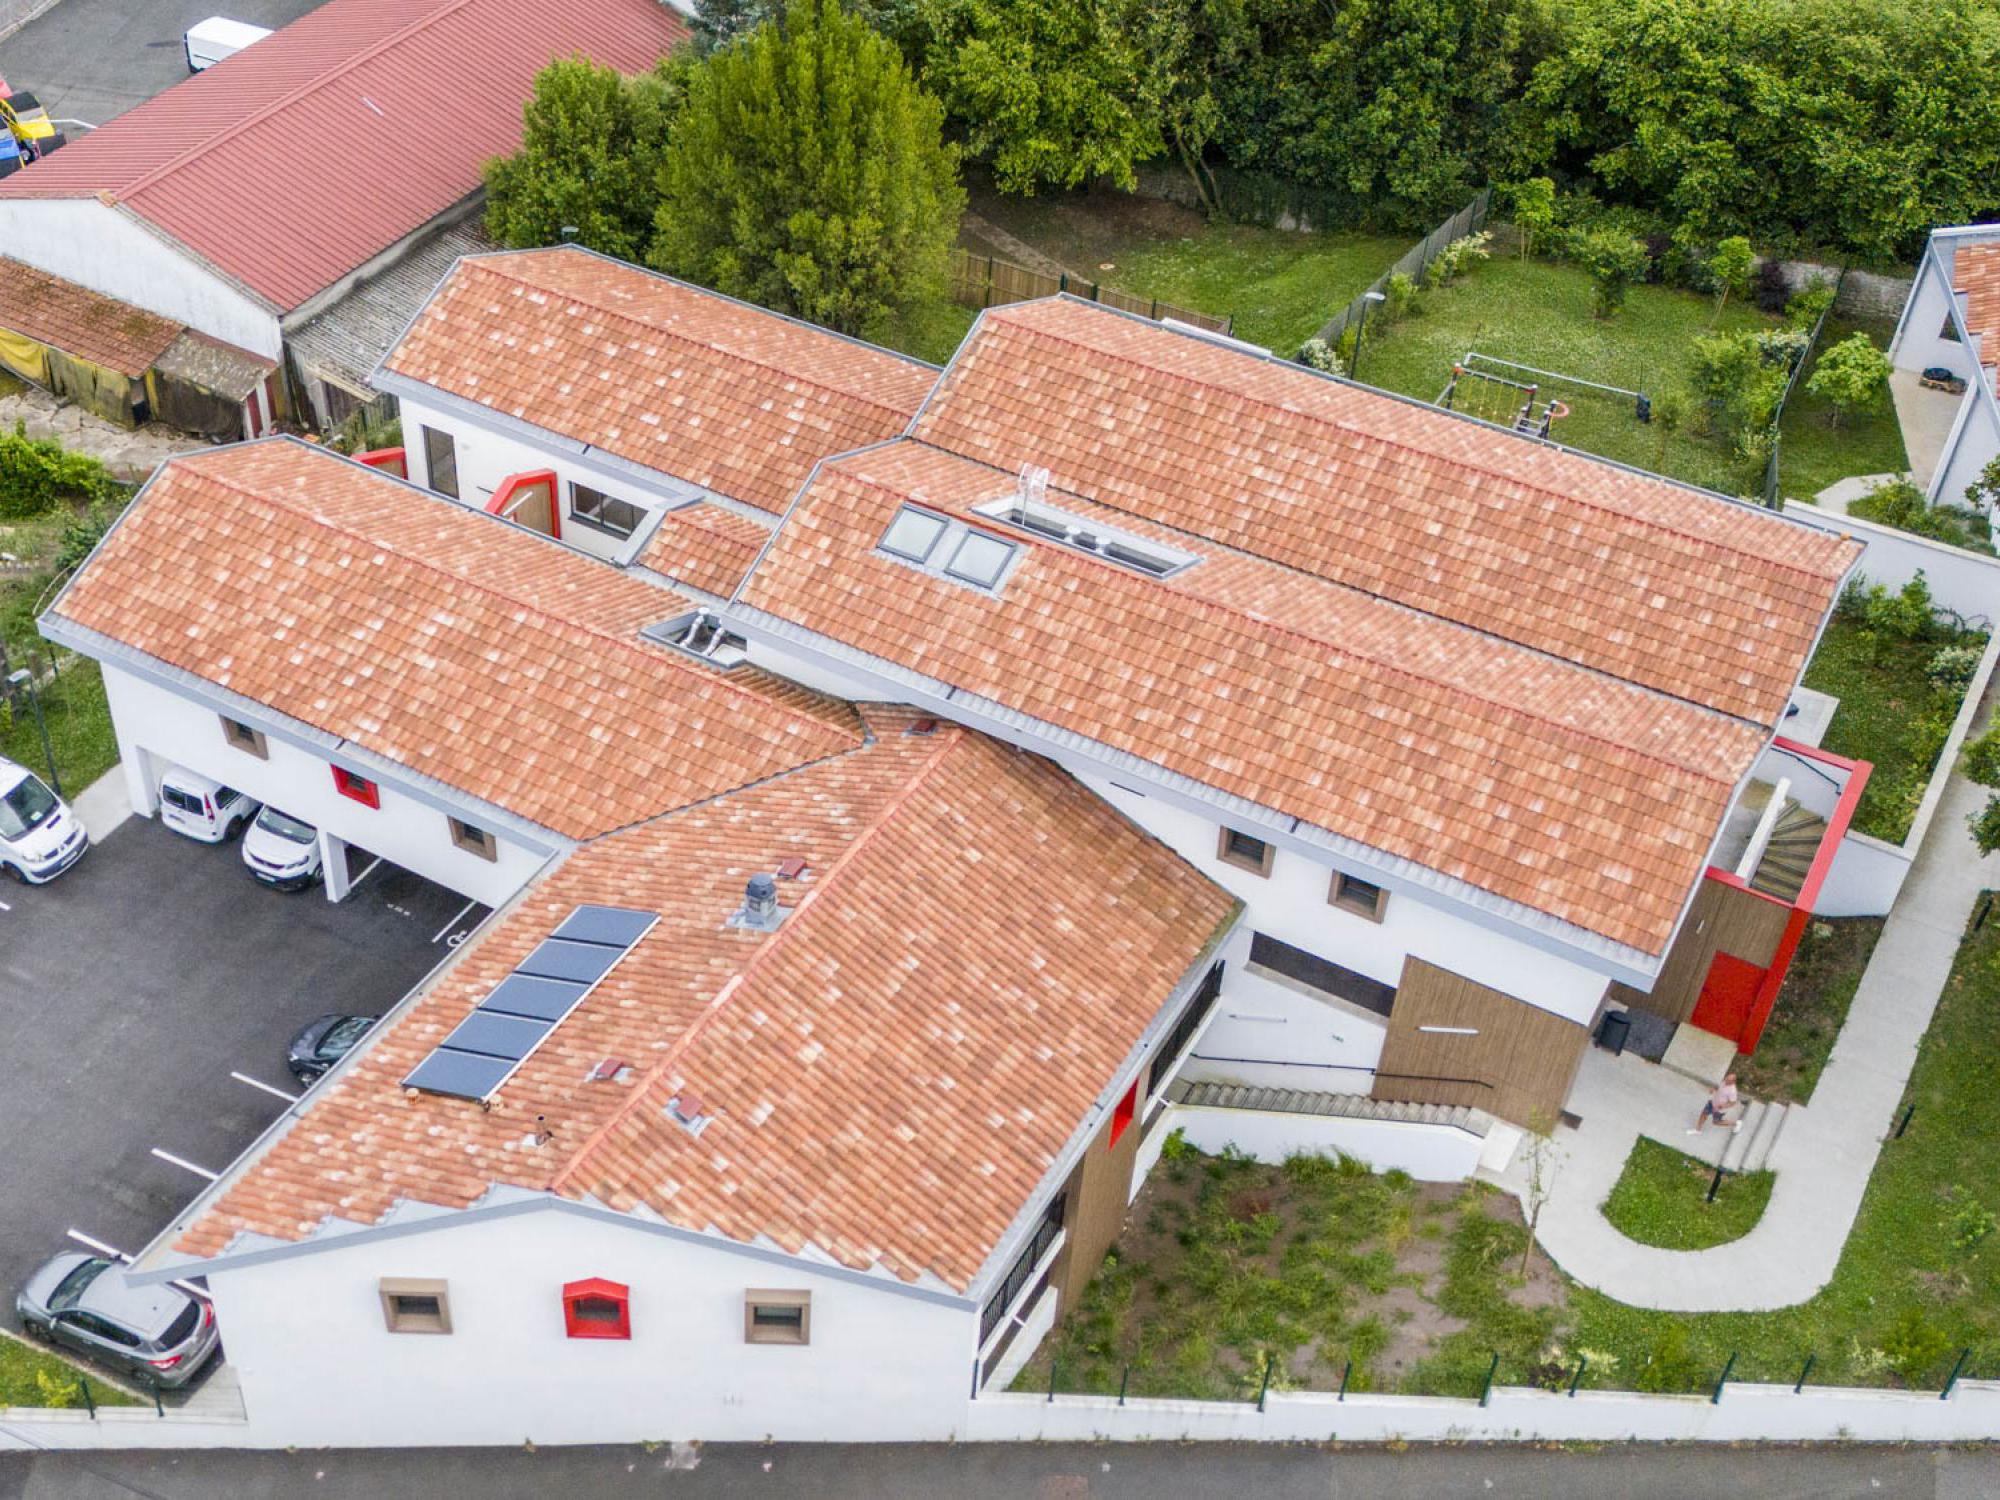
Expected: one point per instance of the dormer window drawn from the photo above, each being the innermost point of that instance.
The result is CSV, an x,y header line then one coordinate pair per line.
x,y
1142,554
948,548
913,535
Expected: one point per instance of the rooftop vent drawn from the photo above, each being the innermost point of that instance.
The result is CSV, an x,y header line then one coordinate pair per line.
x,y
701,634
684,1109
760,911
609,1070
791,869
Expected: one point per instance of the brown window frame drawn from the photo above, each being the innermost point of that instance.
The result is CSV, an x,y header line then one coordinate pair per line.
x,y
474,840
242,737
777,1297
1368,908
1230,856
392,1289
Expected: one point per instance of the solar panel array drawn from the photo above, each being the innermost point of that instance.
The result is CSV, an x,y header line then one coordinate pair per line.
x,y
486,1048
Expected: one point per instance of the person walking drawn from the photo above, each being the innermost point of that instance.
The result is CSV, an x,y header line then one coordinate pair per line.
x,y
1717,1107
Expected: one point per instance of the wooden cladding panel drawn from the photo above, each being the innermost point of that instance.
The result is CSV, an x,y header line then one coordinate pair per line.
x,y
1528,1055
1723,919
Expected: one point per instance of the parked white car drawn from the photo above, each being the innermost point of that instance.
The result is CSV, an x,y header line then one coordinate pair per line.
x,y
208,42
282,851
202,809
39,836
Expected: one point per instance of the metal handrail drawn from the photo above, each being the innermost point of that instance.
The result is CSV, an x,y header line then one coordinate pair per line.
x,y
1341,1067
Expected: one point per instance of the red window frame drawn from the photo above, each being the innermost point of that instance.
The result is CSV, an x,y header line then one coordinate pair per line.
x,y
1121,1117
596,1289
360,788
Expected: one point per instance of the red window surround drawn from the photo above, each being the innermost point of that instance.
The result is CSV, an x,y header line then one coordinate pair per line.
x,y
360,788
597,1309
1121,1117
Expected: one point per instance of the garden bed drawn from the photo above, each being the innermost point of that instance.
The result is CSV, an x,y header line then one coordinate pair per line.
x,y
1810,1010
1661,1198
35,1377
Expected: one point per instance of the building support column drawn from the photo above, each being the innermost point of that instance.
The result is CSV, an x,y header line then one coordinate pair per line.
x,y
333,862
141,789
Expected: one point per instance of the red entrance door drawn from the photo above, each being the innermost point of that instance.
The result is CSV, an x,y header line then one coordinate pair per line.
x,y
1727,996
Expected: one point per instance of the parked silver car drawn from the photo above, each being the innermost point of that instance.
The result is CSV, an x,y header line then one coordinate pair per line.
x,y
83,1302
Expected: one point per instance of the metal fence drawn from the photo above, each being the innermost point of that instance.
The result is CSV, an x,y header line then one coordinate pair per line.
x,y
1412,263
1772,498
984,281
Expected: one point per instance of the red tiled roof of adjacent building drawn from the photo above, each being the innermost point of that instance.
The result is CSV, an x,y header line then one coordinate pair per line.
x,y
305,155
1540,780
471,651
1975,272
977,946
101,330
737,400
1648,580
703,546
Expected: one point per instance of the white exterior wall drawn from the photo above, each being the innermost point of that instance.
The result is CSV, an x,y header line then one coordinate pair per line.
x,y
156,728
1975,439
1965,581
95,246
486,459
1429,1153
1919,342
881,1365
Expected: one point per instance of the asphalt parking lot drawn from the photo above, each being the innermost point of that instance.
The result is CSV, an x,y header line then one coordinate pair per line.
x,y
93,59
133,985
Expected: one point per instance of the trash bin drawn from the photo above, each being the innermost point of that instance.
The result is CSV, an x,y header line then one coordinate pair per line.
x,y
1612,1031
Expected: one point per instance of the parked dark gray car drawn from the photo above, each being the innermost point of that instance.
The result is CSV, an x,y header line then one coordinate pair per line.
x,y
158,1333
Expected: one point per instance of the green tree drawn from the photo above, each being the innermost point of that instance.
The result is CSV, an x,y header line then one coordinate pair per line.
x,y
1534,210
1052,93
1614,260
717,23
1984,490
808,172
1730,264
589,159
1851,376
1183,48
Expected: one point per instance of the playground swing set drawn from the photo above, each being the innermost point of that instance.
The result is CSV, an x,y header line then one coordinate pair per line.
x,y
1508,401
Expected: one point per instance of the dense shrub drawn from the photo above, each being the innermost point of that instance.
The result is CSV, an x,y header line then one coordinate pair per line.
x,y
36,475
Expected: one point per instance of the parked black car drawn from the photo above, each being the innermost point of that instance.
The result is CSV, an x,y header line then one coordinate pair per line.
x,y
324,1042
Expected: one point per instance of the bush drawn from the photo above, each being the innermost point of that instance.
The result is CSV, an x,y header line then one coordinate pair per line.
x,y
1737,387
1400,294
1985,826
1614,260
1982,757
1672,1367
1915,1345
36,475
1804,307
1951,669
1907,614
1318,354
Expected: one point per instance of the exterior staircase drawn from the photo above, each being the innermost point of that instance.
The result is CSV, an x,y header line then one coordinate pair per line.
x,y
1310,1102
1749,1149
1795,840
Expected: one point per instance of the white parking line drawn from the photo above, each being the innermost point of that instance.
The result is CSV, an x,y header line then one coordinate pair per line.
x,y
98,1245
5,907
186,1166
455,919
255,1084
354,884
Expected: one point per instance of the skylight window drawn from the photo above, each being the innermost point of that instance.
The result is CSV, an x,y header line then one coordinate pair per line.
x,y
980,559
1154,559
913,534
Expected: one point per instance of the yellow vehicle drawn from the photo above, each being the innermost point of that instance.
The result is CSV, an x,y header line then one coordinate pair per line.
x,y
30,133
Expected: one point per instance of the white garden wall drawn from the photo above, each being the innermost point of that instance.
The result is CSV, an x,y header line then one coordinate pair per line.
x,y
1429,1153
1965,581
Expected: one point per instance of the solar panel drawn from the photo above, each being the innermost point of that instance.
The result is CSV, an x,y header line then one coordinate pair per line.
x,y
495,1035
612,926
466,1074
537,999
485,1048
584,963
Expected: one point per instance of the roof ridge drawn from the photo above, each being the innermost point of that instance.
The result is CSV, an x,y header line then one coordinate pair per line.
x,y
949,740
284,101
630,645
1398,670
485,263
1347,427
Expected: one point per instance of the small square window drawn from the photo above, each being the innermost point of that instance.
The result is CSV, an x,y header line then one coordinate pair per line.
x,y
1245,852
360,788
1358,896
415,1306
777,1317
472,840
980,559
606,513
912,534
597,1309
244,738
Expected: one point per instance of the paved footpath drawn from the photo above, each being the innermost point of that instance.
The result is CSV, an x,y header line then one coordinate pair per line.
x,y
1828,1148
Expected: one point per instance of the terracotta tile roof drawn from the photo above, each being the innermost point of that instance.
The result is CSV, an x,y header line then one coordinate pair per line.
x,y
367,118
705,547
99,329
732,398
463,648
1542,781
978,944
1647,580
1975,271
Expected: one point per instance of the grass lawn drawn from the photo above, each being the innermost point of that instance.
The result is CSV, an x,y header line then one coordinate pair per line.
x,y
1661,1198
1279,285
33,1377
1810,1010
1919,1278
1889,715
79,722
930,332
1812,454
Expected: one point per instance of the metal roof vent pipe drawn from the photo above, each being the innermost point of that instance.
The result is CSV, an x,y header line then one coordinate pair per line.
x,y
760,911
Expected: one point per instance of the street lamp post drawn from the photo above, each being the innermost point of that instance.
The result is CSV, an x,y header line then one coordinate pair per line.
x,y
1368,299
17,682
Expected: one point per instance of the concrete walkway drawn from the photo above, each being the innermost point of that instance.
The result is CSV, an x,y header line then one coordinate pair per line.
x,y
1828,1148
1925,416
104,804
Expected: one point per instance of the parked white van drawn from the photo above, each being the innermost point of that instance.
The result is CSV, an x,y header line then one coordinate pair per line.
x,y
202,809
39,836
216,38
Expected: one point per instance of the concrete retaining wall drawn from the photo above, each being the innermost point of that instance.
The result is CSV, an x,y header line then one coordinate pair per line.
x,y
1865,294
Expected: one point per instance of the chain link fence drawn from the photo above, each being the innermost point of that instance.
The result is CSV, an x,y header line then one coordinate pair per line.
x,y
1412,263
